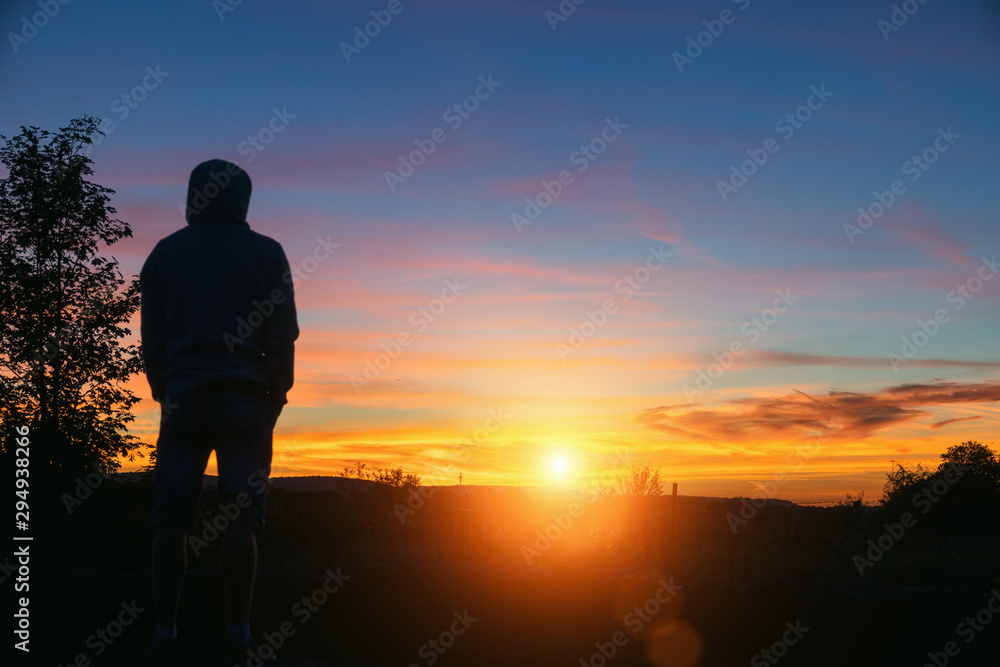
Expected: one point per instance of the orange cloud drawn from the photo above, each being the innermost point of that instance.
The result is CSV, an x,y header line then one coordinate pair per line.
x,y
937,425
838,415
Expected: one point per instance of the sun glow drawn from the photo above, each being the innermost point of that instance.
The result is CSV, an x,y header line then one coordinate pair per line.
x,y
559,467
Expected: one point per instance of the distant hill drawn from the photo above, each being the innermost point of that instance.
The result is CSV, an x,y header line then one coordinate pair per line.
x,y
341,484
309,483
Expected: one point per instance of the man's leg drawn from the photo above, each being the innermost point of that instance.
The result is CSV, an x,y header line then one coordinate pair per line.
x,y
169,565
181,457
239,569
244,458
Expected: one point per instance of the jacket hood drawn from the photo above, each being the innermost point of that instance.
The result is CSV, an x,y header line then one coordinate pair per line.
x,y
218,193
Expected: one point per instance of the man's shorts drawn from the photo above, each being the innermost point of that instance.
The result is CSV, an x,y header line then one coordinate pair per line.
x,y
238,428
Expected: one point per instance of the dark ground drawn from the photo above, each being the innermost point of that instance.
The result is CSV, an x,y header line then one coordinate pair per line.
x,y
383,615
739,593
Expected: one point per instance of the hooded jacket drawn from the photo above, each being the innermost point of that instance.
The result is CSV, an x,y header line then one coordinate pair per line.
x,y
217,301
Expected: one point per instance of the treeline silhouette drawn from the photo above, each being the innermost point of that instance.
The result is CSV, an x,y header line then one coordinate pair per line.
x,y
383,515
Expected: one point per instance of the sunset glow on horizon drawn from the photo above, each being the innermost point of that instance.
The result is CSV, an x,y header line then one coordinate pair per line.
x,y
532,253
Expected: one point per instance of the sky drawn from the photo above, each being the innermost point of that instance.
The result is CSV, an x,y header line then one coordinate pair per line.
x,y
752,244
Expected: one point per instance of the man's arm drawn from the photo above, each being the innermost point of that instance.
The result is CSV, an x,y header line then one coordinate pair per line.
x,y
151,328
279,333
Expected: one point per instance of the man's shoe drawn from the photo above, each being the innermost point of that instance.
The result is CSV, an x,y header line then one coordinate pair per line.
x,y
238,653
164,654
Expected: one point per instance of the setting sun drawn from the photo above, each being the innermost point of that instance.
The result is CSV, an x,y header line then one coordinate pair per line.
x,y
559,466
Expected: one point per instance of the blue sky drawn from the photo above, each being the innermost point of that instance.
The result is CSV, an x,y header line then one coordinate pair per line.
x,y
343,125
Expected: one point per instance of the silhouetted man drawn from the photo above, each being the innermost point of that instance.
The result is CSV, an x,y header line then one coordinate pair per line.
x,y
218,332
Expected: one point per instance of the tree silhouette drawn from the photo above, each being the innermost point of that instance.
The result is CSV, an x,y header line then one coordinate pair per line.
x,y
64,308
394,477
979,487
639,480
982,462
902,482
961,495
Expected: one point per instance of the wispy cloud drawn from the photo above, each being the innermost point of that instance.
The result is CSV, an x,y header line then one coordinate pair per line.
x,y
838,414
765,358
937,425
